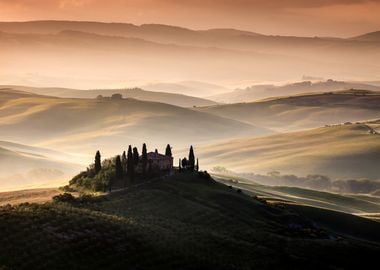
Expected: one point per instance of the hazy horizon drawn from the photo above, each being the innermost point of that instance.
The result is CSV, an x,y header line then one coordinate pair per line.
x,y
338,18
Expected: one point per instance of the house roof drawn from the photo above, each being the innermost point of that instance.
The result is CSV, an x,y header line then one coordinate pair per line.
x,y
157,155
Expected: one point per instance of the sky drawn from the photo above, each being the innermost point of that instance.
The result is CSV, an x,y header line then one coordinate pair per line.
x,y
341,18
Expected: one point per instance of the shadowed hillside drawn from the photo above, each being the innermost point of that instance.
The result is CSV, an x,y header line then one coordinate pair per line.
x,y
182,222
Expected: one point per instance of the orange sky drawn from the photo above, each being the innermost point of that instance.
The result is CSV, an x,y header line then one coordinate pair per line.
x,y
285,17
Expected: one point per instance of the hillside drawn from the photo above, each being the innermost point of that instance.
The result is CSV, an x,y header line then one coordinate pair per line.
x,y
137,93
182,222
84,125
30,167
373,36
348,203
340,152
304,111
192,88
257,92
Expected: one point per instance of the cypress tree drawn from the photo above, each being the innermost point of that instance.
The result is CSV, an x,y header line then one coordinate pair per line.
x,y
130,164
191,159
124,162
144,158
135,156
168,151
118,168
197,166
98,162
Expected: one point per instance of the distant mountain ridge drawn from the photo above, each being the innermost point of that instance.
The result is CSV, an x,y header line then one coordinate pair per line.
x,y
124,52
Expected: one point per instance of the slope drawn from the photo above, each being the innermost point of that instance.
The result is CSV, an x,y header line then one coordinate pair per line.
x,y
182,222
257,92
27,169
348,203
137,93
305,110
344,151
84,125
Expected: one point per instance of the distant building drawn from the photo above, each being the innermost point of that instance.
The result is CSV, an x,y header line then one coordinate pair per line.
x,y
117,96
160,161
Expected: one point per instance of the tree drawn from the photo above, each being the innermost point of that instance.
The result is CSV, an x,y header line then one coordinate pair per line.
x,y
118,167
144,158
124,161
130,164
135,156
98,162
191,159
184,163
197,166
168,151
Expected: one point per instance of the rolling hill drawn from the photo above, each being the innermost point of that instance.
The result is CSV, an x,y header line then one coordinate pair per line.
x,y
84,125
340,152
182,222
349,203
137,93
304,111
257,92
26,167
192,88
371,37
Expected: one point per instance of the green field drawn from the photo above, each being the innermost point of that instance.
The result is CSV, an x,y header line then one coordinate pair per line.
x,y
182,222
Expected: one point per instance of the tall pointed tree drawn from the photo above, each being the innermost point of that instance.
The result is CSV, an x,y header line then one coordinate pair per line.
x,y
98,162
144,158
136,156
118,167
197,166
130,164
168,151
191,159
124,162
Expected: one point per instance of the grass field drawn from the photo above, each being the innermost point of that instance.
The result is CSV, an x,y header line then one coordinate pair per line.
x,y
182,222
342,152
363,205
303,111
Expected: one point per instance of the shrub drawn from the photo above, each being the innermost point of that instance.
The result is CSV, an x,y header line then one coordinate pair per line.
x,y
65,197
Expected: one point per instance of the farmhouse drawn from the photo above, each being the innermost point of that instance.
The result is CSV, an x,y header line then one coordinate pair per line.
x,y
160,161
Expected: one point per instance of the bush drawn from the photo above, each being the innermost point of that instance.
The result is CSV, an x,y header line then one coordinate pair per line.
x,y
65,197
